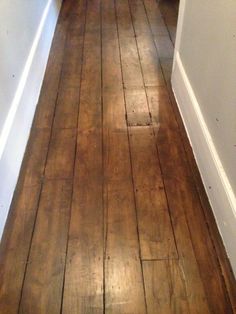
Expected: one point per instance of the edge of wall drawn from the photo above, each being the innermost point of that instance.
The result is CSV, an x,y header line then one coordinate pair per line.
x,y
215,180
16,130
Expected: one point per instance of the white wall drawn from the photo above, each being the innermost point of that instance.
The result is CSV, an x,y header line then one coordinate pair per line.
x,y
204,82
208,53
26,31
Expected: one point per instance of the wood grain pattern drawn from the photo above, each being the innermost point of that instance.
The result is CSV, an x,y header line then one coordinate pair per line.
x,y
72,61
124,285
155,230
61,154
124,291
151,70
208,215
161,109
166,65
155,19
225,267
124,23
169,13
139,19
110,214
143,152
67,108
35,157
47,100
156,234
15,246
42,290
165,48
137,107
170,147
202,246
194,286
132,76
165,287
83,292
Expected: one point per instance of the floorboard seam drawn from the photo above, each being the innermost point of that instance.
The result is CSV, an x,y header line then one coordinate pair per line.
x,y
50,136
76,145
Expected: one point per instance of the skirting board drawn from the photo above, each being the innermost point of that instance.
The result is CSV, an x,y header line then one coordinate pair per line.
x,y
219,191
17,127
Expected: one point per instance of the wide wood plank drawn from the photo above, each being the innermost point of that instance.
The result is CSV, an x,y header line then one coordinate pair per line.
x,y
124,291
125,27
143,143
167,133
170,147
83,292
155,229
165,48
70,9
161,109
116,149
67,108
169,143
15,246
225,267
151,70
176,173
156,235
35,157
143,153
60,161
165,287
16,243
194,285
64,67
153,43
72,61
170,17
137,107
205,253
110,215
124,285
42,290
139,56
166,65
47,100
139,20
123,270
155,18
132,75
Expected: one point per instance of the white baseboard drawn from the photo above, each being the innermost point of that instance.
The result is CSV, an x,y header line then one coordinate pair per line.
x,y
15,133
218,188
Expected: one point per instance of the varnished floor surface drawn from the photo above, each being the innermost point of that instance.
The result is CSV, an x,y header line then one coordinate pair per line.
x,y
110,215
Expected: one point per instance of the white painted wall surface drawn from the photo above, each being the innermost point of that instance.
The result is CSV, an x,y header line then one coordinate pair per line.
x,y
204,82
208,53
26,31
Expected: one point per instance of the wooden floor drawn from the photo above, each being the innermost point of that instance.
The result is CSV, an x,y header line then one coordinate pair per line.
x,y
110,215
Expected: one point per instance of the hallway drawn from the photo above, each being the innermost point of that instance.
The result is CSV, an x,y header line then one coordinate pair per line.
x,y
110,215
